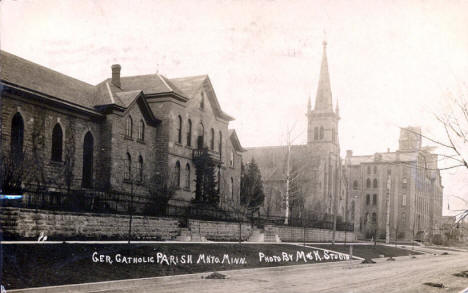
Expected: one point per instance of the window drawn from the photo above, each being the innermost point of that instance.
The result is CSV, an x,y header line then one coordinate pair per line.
x,y
177,174
321,132
127,167
231,162
375,183
374,218
367,199
212,139
220,143
140,168
17,136
403,199
404,183
353,208
187,176
189,132
129,127
375,169
232,188
316,134
141,130
368,183
88,148
355,185
57,143
219,180
368,170
201,136
374,199
202,102
366,218
179,129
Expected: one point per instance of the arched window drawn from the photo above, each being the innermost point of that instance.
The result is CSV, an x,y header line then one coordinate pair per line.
x,y
129,127
321,132
366,218
374,199
353,208
316,134
57,143
374,218
367,199
127,167
140,168
375,169
187,176
202,101
355,185
375,183
220,143
368,170
88,158
141,130
231,161
189,132
219,180
179,130
232,188
177,174
212,139
200,136
368,183
17,136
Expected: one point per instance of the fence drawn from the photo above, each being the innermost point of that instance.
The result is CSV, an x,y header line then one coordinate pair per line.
x,y
91,201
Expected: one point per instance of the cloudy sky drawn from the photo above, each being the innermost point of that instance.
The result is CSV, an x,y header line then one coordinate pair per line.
x,y
392,63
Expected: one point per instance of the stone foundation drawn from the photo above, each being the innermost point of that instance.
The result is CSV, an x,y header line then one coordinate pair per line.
x,y
220,231
296,234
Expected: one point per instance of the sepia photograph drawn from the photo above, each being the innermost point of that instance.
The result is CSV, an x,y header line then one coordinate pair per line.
x,y
233,146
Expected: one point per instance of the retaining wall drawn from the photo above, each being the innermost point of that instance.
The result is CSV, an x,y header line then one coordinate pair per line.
x,y
296,234
220,231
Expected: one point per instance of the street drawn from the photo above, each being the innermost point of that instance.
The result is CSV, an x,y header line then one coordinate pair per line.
x,y
405,274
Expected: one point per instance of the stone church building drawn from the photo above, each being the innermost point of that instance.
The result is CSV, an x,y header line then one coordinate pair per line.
x,y
311,174
127,133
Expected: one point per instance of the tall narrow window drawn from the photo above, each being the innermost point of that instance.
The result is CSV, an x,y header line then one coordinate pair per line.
x,y
187,176
321,132
129,127
17,136
232,188
231,162
375,183
177,174
353,210
212,139
189,132
368,183
140,169
57,143
367,199
220,143
368,170
88,157
374,218
141,130
374,199
202,101
316,134
375,169
200,136
355,185
128,167
179,130
403,199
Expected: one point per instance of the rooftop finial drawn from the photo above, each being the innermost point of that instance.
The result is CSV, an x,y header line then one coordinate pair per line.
x,y
324,43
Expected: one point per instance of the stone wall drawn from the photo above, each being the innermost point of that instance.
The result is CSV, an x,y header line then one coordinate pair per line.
x,y
220,231
27,223
296,234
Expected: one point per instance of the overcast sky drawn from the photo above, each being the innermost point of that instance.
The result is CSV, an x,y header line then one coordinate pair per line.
x,y
391,62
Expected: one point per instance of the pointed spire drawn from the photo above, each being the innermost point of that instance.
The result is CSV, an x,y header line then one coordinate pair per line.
x,y
323,100
309,106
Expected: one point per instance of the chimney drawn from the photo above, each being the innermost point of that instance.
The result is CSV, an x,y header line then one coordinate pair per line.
x,y
116,75
349,153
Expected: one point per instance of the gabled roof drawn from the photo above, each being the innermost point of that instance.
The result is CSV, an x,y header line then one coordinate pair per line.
x,y
191,85
235,141
35,77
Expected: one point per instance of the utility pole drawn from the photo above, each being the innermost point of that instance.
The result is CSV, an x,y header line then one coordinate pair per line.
x,y
288,178
336,189
387,225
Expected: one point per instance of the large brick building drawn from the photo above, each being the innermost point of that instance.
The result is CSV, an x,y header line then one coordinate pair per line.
x,y
314,170
127,133
409,177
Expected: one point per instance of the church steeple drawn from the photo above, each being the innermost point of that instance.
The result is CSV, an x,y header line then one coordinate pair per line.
x,y
323,100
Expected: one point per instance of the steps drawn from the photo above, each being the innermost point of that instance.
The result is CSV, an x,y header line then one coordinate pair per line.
x,y
189,236
257,236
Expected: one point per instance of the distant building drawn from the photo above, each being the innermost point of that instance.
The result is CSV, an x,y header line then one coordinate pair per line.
x,y
315,185
128,133
409,177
